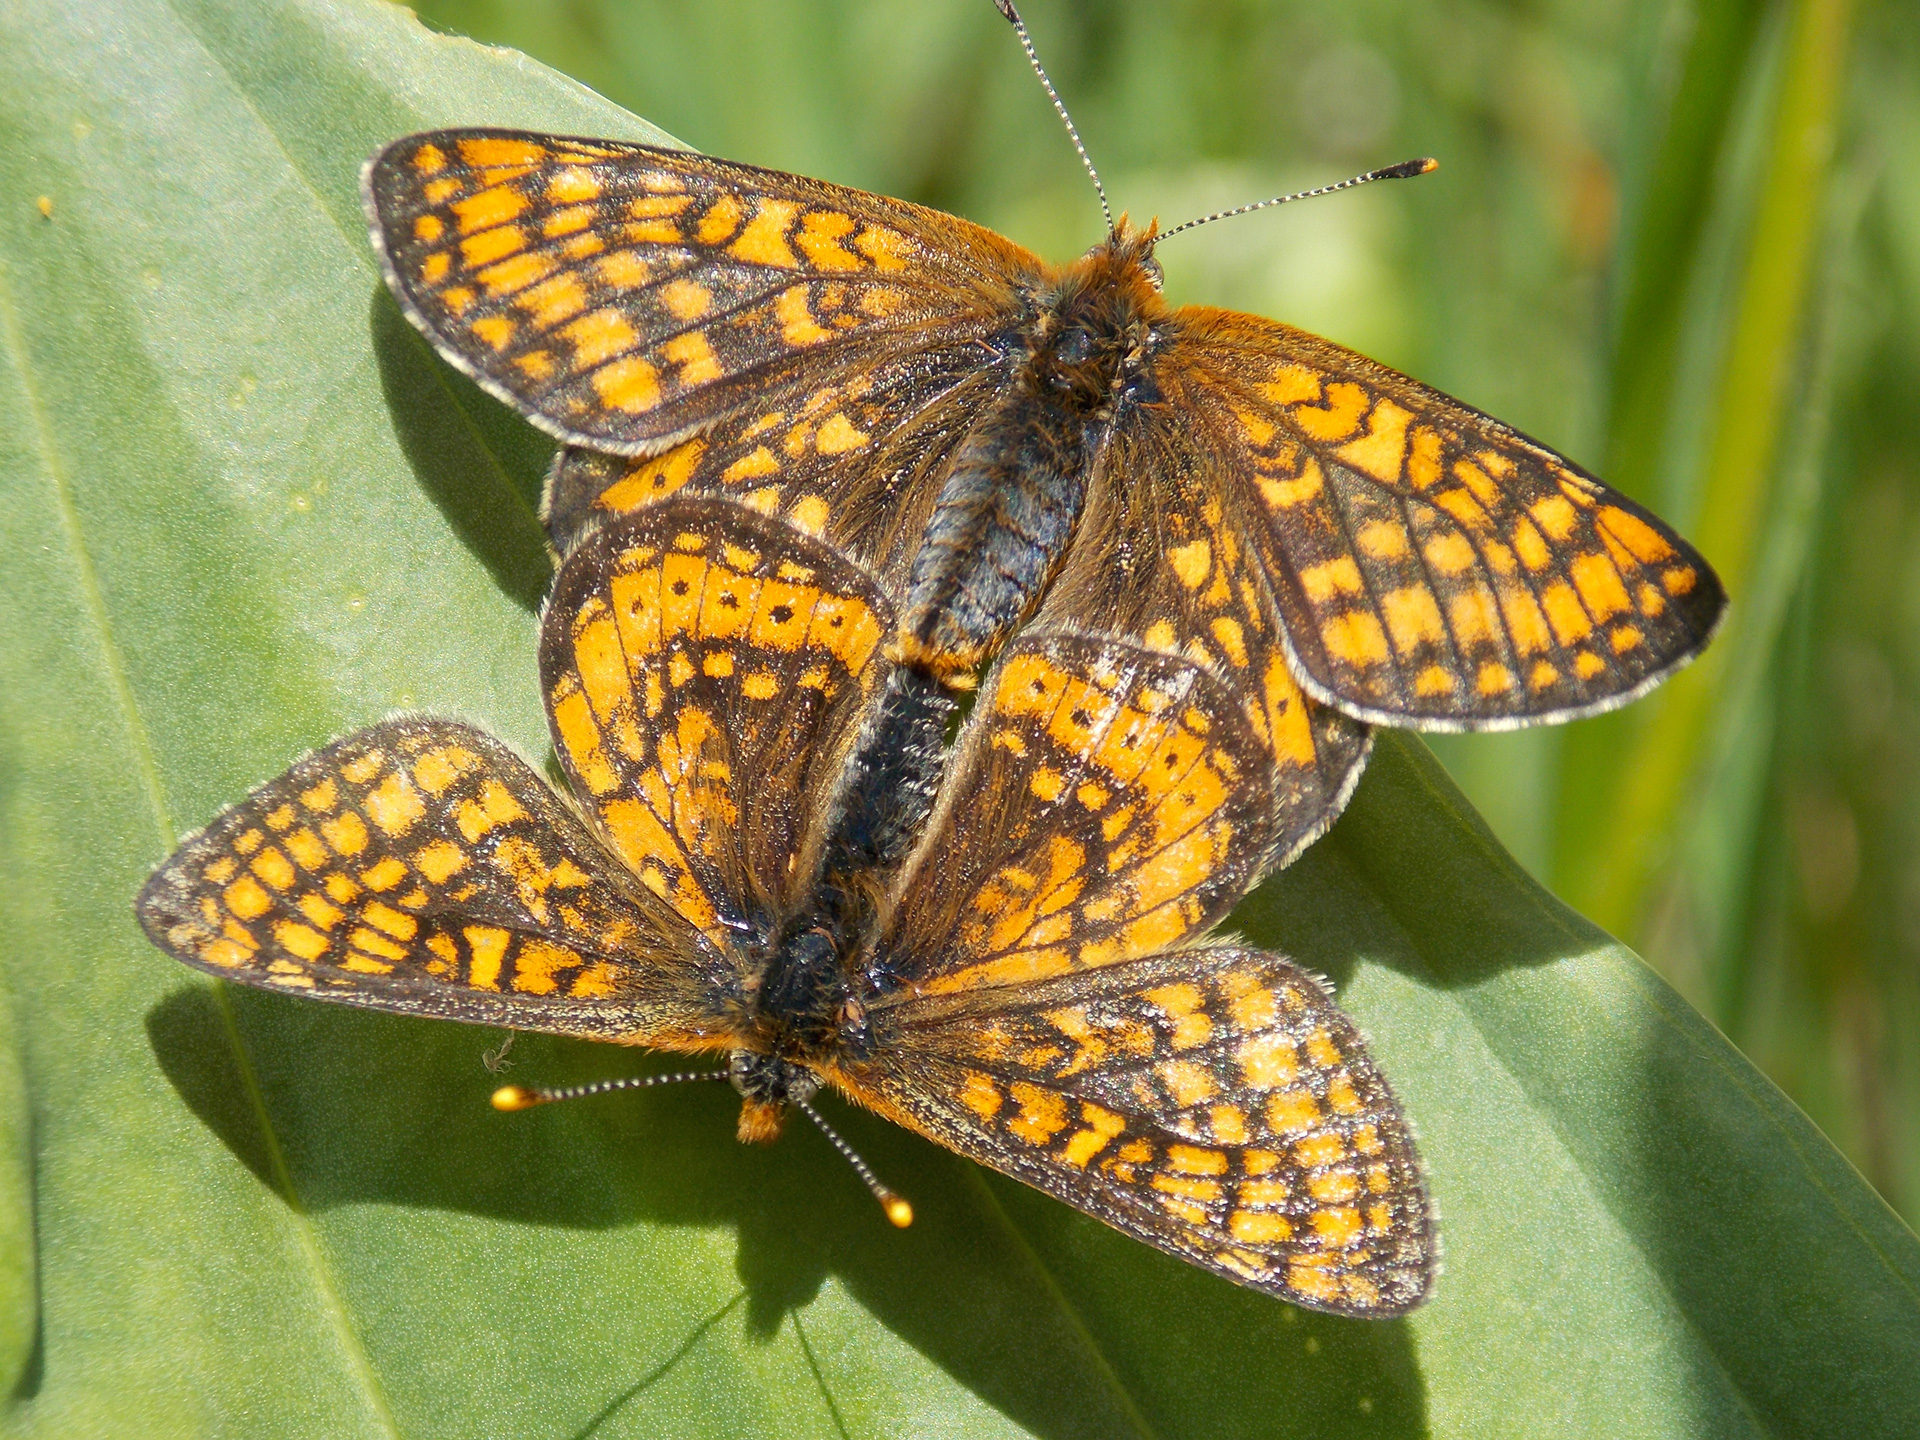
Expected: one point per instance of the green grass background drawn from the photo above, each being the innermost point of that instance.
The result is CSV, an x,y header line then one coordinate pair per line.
x,y
1679,242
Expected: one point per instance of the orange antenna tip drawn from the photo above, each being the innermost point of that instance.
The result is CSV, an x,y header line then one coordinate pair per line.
x,y
516,1097
898,1210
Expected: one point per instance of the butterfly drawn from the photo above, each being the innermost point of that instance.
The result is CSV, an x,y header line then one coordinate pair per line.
x,y
1033,988
1000,438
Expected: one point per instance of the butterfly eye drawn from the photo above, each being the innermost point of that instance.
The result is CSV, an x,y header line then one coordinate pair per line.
x,y
1075,346
1154,273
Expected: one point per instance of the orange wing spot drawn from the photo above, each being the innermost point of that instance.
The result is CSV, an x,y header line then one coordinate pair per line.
x,y
650,207
685,299
1533,551
1413,618
439,861
820,232
1193,563
1338,1227
1599,585
1542,677
347,833
1285,494
1193,1160
429,228
596,982
1203,1191
1624,637
363,768
307,851
301,940
1232,640
695,357
1652,602
1679,580
1382,450
273,867
1355,637
249,841
487,947
599,337
797,325
1255,1227
1463,508
623,270
493,806
322,797
1450,553
1043,1113
281,818
429,160
630,384
1292,1110
484,152
1565,613
434,771
491,245
457,299
1423,458
552,301
496,330
246,899
1586,665
537,965
1253,1006
1338,418
1383,540
373,943
572,184
1434,680
395,805
393,922
437,192
1555,515
980,1095
1267,1061
764,241
1643,542
1341,1096
1228,1124
1494,679
1336,577
837,435
493,206
220,871
1292,385
516,274
1047,783
719,221
385,874
810,513
1083,1145
1182,1004
1186,1082
887,249
434,268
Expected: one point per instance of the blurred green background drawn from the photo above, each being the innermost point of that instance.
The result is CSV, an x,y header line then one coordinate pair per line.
x,y
1679,242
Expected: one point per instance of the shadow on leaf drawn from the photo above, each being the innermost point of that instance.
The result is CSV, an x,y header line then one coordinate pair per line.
x,y
480,463
1045,1314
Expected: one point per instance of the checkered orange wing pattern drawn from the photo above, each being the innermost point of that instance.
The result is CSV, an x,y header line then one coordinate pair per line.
x,y
1160,558
1213,1102
857,459
420,866
704,666
1433,566
624,296
1106,802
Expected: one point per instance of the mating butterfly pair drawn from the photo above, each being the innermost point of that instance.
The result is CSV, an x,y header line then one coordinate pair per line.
x,y
1295,541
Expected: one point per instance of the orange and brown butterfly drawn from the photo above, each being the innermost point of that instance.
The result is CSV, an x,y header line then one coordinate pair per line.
x,y
988,431
1032,989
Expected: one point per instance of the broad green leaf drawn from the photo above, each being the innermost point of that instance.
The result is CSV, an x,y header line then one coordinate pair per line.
x,y
244,509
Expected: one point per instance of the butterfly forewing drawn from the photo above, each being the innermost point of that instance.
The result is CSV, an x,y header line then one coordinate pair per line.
x,y
1159,557
623,296
421,866
1212,1102
1432,566
857,459
703,667
1105,802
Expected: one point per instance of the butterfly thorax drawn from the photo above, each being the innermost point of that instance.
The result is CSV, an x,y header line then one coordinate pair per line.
x,y
798,1014
1010,502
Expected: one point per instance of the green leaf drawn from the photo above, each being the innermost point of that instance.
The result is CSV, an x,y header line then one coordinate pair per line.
x,y
245,509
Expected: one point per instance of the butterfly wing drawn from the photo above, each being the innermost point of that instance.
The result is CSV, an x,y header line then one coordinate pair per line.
x,y
704,667
623,297
1433,567
1105,802
1214,1103
421,866
858,458
1158,557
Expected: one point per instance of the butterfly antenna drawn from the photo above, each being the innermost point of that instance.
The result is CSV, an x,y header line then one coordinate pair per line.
x,y
525,1097
1405,170
1026,44
896,1206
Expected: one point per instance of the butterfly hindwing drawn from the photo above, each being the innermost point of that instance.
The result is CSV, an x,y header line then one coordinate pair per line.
x,y
421,866
1433,567
704,666
624,296
1159,557
1105,802
1212,1102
